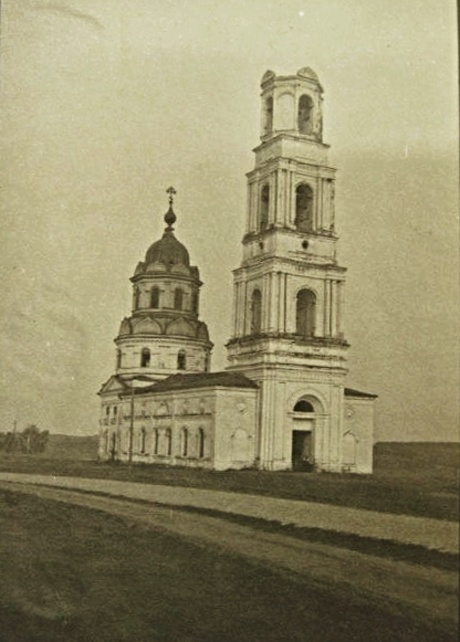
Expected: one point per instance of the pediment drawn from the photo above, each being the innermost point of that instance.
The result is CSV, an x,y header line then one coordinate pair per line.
x,y
181,327
147,325
113,385
125,327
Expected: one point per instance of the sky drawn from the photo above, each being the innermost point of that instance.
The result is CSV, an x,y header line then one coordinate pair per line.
x,y
106,104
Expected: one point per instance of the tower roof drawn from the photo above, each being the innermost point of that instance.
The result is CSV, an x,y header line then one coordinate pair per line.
x,y
168,250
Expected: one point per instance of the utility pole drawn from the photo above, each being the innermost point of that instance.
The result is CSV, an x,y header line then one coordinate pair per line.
x,y
131,424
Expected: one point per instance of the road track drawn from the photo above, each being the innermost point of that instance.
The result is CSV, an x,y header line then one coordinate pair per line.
x,y
426,593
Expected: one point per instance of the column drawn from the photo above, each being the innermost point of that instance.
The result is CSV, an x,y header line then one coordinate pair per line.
x,y
340,308
285,302
235,309
272,202
334,296
290,200
271,295
318,204
327,309
280,198
244,308
249,223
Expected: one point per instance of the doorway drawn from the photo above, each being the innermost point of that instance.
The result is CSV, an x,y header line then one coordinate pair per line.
x,y
302,450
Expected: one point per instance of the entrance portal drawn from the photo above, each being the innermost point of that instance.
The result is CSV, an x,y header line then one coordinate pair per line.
x,y
302,450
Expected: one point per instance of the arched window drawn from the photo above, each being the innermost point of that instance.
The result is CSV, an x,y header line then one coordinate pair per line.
x,y
195,302
155,298
142,440
118,358
200,443
136,298
107,410
264,206
304,208
178,298
256,311
303,406
305,313
268,125
184,442
207,361
168,439
181,360
155,441
145,358
304,115
113,447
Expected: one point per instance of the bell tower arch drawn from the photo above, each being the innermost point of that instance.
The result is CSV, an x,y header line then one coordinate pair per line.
x,y
288,291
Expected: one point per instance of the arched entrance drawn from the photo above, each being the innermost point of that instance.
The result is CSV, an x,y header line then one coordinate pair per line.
x,y
303,434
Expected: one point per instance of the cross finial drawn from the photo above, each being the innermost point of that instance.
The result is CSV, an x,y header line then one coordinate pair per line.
x,y
172,192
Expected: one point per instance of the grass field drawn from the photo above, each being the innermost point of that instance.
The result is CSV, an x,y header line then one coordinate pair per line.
x,y
73,574
410,478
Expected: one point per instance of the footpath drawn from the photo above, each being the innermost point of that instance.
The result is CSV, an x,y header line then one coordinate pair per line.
x,y
433,534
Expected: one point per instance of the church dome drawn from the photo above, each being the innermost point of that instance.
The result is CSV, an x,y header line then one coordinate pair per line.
x,y
168,250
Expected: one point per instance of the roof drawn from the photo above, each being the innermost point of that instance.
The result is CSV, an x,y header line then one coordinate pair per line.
x,y
349,392
202,380
168,250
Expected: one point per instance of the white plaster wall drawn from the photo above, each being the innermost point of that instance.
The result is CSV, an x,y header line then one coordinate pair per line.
x,y
359,421
235,420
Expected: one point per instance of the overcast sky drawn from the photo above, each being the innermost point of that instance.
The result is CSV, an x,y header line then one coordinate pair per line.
x,y
106,104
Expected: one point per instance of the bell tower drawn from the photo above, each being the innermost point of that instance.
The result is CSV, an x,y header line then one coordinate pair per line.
x,y
288,292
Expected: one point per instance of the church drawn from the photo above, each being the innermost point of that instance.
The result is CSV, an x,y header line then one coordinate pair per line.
x,y
282,402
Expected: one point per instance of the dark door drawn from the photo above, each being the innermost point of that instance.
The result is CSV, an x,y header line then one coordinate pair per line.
x,y
302,455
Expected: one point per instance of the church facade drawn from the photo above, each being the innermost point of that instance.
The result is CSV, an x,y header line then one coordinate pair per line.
x,y
282,402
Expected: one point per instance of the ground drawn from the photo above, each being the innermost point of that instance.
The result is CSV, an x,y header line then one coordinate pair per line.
x,y
410,478
85,567
75,573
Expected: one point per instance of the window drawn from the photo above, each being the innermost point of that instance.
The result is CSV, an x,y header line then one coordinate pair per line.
x,y
305,313
115,411
118,359
107,410
304,208
155,298
155,441
256,311
268,125
178,299
304,115
145,358
264,207
195,302
181,360
184,442
168,439
136,298
200,443
303,406
142,441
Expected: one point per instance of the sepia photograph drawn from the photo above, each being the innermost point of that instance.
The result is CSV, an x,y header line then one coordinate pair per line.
x,y
229,295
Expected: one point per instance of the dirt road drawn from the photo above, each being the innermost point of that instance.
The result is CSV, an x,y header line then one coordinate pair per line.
x,y
429,594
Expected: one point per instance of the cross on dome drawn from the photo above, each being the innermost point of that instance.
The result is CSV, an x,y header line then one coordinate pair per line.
x,y
170,217
172,192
